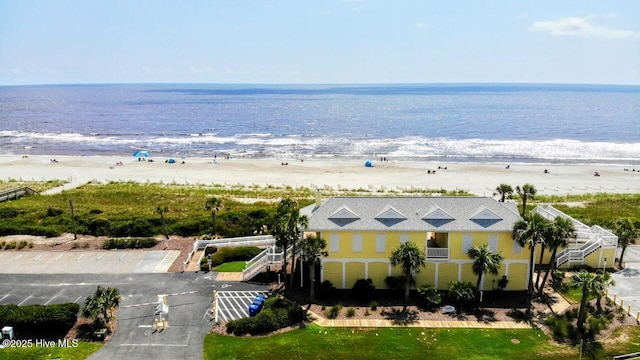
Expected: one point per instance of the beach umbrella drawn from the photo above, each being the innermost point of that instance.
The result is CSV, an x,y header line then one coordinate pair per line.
x,y
141,153
172,161
368,163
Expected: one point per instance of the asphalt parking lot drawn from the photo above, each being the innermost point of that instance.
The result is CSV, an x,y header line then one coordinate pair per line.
x,y
86,262
189,297
627,281
234,305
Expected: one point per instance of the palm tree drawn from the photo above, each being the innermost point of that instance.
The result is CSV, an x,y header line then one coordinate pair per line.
x,y
214,205
484,261
599,287
461,293
412,259
313,248
583,280
162,211
530,232
286,229
563,231
101,306
505,191
527,191
627,232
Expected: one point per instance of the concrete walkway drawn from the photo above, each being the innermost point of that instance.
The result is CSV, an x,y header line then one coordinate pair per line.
x,y
229,276
377,323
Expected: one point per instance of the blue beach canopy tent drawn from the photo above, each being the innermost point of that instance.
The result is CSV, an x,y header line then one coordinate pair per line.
x,y
368,163
171,161
141,154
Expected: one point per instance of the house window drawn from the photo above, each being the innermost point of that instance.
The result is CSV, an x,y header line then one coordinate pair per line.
x,y
404,238
357,243
493,243
467,241
517,249
334,243
381,243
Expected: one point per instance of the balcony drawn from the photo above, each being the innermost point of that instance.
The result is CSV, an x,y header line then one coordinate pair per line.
x,y
434,253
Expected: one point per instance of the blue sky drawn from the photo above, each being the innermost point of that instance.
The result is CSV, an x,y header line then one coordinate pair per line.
x,y
323,41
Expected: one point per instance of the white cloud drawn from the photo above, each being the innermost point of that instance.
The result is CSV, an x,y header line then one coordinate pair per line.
x,y
576,26
419,26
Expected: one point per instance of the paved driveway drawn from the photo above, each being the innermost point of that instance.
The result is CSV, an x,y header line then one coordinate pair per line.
x,y
84,262
627,285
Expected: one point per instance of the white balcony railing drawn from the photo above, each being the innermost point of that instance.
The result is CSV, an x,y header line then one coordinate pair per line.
x,y
437,253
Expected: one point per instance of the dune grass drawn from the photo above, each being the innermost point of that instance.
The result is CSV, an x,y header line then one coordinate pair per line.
x,y
83,351
35,185
314,342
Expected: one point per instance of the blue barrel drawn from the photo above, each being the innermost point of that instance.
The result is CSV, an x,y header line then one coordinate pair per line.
x,y
254,309
259,300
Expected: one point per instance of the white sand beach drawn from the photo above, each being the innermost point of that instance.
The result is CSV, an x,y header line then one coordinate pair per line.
x,y
477,178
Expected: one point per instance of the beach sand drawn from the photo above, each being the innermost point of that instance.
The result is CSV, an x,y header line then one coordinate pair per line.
x,y
477,178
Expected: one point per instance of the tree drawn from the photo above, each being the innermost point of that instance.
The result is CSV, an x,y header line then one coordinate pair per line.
x,y
530,232
562,231
162,211
412,259
286,229
313,248
627,232
461,293
599,287
505,191
584,281
484,260
526,192
214,205
101,306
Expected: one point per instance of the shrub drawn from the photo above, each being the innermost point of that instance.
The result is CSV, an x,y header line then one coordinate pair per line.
x,y
45,320
99,227
334,311
559,326
2,244
8,213
429,297
54,211
95,211
228,254
22,244
393,282
326,290
10,245
364,289
373,305
351,312
366,312
132,243
276,314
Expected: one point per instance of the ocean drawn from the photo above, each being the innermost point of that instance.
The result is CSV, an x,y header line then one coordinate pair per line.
x,y
533,123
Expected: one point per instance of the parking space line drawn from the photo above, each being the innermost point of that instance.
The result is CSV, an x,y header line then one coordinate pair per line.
x,y
18,257
100,257
59,256
47,303
4,297
76,300
23,301
80,257
37,257
122,256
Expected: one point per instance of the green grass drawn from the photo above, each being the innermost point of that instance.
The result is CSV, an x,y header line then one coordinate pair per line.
x,y
83,351
234,266
314,342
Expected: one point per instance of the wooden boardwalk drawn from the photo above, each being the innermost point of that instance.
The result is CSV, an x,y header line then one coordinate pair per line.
x,y
378,323
12,194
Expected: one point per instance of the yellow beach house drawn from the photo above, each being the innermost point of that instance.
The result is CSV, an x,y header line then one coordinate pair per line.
x,y
361,233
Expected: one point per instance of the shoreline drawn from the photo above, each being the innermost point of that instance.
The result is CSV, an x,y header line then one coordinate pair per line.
x,y
477,178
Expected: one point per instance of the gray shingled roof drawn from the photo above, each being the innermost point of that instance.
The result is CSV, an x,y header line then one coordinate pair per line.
x,y
412,214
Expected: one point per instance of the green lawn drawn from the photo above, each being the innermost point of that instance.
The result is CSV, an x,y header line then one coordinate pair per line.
x,y
316,342
83,351
233,266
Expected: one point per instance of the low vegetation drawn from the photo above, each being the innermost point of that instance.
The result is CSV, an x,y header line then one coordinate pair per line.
x,y
228,255
81,352
129,243
315,342
277,313
41,321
